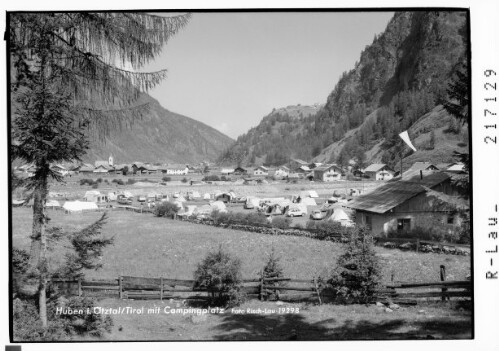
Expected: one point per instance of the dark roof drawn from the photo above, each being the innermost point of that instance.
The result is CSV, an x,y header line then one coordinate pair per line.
x,y
326,167
303,163
375,167
395,193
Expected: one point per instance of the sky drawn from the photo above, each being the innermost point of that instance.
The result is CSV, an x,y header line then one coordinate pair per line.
x,y
229,70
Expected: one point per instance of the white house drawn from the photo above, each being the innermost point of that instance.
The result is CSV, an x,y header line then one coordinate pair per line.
x,y
227,171
261,171
282,171
379,171
177,169
327,173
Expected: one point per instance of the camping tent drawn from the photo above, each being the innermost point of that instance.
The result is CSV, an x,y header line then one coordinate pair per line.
x,y
95,196
52,204
79,206
206,196
219,206
202,210
187,211
309,193
180,199
195,195
112,196
339,215
127,194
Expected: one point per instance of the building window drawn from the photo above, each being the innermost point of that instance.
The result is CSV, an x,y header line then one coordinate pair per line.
x,y
403,224
450,219
369,222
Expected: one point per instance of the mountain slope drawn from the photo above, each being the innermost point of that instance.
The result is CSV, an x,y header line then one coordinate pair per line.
x,y
399,78
160,136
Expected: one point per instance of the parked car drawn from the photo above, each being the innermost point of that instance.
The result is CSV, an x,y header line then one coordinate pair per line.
x,y
296,212
318,214
122,200
141,198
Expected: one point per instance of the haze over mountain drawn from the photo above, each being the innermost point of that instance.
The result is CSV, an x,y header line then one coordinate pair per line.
x,y
398,84
160,136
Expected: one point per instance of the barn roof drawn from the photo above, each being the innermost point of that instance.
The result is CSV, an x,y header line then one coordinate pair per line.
x,y
395,193
326,167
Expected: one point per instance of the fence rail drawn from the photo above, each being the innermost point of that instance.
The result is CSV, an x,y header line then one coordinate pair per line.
x,y
128,287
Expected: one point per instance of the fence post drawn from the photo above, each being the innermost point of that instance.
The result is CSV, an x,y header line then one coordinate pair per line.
x,y
79,287
120,286
317,291
442,278
161,290
261,286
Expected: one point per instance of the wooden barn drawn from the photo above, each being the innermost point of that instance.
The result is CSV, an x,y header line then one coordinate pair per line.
x,y
402,205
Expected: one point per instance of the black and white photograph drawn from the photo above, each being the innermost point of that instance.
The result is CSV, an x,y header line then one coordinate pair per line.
x,y
239,174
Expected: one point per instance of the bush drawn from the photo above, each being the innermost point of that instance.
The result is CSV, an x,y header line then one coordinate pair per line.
x,y
281,222
220,274
325,229
166,179
27,325
95,186
86,181
358,272
131,181
430,229
211,178
20,259
184,180
166,209
99,180
253,218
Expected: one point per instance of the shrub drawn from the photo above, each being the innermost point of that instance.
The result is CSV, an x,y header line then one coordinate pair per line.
x,y
220,274
281,222
358,271
120,182
324,230
166,179
95,186
166,209
131,181
86,181
20,259
211,178
99,180
27,325
184,180
253,218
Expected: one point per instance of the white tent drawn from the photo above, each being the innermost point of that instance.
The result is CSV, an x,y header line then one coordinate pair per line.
x,y
206,196
339,215
253,201
195,195
219,206
91,193
79,206
308,201
112,196
180,199
52,203
309,193
127,194
187,211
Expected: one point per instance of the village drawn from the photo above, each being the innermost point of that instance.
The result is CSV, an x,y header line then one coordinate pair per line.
x,y
376,196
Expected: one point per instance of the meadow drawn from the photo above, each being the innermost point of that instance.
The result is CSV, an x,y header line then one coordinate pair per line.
x,y
149,246
152,247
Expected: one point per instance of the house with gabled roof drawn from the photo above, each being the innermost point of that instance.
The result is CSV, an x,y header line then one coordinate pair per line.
x,y
177,169
418,168
296,162
327,173
379,171
402,205
261,171
281,172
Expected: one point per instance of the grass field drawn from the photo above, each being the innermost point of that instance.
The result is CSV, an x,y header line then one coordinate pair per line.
x,y
150,246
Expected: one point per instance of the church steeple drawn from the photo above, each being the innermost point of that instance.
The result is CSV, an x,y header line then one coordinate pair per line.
x,y
111,160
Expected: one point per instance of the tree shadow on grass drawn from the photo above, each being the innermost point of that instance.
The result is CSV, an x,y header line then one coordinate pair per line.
x,y
296,327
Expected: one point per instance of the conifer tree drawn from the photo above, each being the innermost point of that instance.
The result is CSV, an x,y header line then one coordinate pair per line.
x,y
75,74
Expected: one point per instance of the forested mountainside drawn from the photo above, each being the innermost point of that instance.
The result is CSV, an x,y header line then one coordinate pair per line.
x,y
160,136
399,79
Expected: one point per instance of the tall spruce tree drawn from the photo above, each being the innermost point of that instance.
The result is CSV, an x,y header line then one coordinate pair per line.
x,y
75,74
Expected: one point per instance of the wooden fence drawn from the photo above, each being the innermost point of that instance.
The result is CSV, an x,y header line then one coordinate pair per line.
x,y
128,287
